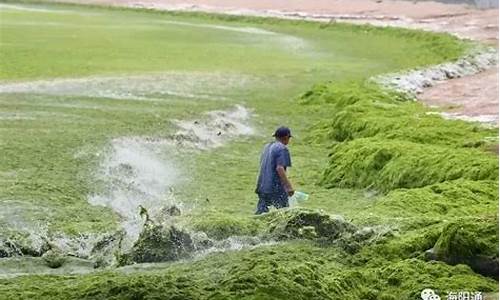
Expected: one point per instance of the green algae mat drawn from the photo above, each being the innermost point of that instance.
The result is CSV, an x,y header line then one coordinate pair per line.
x,y
104,111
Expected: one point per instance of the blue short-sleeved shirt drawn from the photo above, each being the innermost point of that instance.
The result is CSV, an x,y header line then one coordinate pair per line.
x,y
274,154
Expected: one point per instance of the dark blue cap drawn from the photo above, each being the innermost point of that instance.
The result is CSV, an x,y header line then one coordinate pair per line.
x,y
282,132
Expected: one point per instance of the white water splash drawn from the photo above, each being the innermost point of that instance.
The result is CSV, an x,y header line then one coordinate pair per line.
x,y
134,173
215,130
234,243
36,234
140,171
13,217
80,246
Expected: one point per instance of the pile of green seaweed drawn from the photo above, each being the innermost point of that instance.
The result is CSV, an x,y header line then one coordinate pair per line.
x,y
384,140
438,179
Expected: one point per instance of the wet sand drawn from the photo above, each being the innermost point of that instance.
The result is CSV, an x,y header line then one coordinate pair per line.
x,y
477,99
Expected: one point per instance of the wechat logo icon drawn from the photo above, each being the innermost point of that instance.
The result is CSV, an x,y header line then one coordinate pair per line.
x,y
429,294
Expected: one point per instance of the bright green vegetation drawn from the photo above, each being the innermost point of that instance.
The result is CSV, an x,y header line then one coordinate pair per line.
x,y
124,40
296,270
370,155
468,239
441,183
383,141
221,226
365,110
448,200
389,164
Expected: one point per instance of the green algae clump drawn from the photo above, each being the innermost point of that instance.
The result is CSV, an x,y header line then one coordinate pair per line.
x,y
308,224
14,243
158,243
407,278
450,199
390,164
429,171
474,243
383,140
361,110
469,238
220,226
54,259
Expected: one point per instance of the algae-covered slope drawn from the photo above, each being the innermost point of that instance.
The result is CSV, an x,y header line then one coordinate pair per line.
x,y
385,141
385,165
363,109
438,178
449,200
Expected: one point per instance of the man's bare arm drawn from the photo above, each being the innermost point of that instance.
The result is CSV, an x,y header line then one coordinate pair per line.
x,y
284,179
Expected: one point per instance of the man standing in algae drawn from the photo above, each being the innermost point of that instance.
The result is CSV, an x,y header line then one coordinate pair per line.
x,y
273,186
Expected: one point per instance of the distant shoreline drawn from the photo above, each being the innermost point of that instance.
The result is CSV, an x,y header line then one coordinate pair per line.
x,y
482,4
